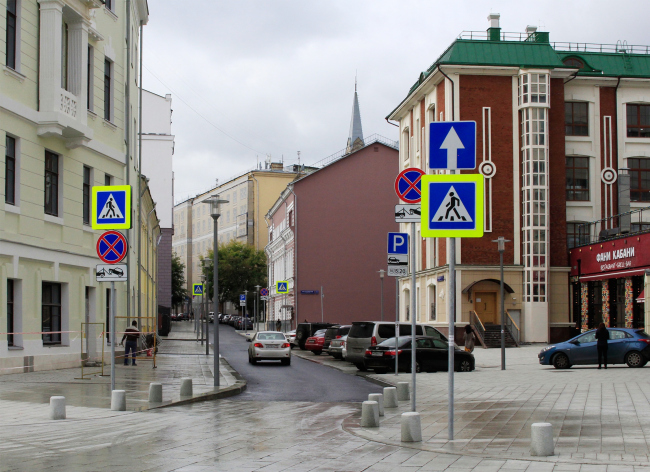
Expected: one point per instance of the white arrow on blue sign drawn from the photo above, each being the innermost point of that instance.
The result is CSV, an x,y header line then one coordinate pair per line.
x,y
452,145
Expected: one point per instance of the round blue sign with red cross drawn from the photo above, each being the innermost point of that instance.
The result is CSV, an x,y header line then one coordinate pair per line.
x,y
264,292
408,185
112,247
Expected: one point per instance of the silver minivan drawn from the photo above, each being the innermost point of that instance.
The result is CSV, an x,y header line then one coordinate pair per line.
x,y
364,334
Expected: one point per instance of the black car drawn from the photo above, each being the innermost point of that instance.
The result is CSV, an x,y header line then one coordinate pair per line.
x,y
432,355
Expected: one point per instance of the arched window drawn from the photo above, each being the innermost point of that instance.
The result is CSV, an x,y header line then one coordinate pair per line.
x,y
573,62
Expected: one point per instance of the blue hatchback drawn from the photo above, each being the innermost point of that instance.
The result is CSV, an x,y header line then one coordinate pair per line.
x,y
630,346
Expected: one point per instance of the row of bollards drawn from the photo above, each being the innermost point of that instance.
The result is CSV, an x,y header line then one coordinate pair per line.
x,y
118,398
541,434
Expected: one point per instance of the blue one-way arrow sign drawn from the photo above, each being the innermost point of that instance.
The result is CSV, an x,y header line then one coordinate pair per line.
x,y
452,145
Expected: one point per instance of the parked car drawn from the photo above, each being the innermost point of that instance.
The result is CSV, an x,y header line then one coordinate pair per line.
x,y
315,343
629,346
224,319
334,332
431,355
269,345
364,334
182,316
173,316
336,347
305,330
291,337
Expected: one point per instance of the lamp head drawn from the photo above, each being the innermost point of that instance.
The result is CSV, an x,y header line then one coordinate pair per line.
x,y
214,202
501,241
381,273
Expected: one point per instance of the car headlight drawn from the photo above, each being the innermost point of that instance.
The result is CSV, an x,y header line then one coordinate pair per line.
x,y
547,349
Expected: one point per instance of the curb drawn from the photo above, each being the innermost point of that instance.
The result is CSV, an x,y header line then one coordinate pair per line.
x,y
239,387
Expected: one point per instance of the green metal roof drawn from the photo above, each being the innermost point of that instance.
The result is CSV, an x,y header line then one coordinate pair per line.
x,y
611,64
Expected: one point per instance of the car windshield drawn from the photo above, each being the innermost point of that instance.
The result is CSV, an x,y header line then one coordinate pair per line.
x,y
390,342
270,337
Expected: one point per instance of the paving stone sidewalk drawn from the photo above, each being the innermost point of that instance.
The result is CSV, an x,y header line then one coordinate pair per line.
x,y
179,356
598,416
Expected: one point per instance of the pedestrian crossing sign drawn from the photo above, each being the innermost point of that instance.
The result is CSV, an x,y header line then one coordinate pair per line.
x,y
282,287
452,206
197,289
111,207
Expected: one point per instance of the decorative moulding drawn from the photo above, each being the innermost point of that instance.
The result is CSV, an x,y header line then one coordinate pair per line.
x,y
54,219
14,74
109,125
12,209
109,52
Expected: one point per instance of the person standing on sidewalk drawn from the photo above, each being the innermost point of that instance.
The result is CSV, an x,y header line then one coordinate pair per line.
x,y
131,335
602,335
469,339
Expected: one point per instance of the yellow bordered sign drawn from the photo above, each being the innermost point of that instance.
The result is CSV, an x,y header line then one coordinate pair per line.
x,y
197,289
452,206
111,207
282,286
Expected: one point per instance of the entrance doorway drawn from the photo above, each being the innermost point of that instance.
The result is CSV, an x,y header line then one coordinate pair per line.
x,y
485,305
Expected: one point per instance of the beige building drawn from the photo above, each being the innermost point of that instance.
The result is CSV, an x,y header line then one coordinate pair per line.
x,y
250,197
68,122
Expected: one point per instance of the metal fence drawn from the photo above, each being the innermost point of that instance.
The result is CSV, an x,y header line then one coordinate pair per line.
x,y
613,227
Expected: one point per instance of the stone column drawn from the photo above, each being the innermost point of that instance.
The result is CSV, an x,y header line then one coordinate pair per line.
x,y
605,295
78,66
629,302
584,306
51,20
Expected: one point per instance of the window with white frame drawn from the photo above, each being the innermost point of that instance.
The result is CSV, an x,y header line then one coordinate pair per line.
x,y
52,183
90,98
533,88
108,90
12,52
10,170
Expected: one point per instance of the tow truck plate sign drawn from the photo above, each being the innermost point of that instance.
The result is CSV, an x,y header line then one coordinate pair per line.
x,y
111,273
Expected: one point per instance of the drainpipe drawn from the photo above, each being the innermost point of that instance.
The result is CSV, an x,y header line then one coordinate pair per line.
x,y
295,254
140,192
391,123
127,133
257,229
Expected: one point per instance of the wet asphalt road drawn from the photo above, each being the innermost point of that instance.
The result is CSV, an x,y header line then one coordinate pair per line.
x,y
301,381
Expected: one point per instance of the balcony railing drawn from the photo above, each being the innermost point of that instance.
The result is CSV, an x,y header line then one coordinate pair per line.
x,y
68,104
613,227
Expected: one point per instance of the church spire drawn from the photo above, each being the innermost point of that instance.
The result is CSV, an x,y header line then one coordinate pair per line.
x,y
355,139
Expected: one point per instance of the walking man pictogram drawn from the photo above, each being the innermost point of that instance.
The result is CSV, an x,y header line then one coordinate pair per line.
x,y
453,202
111,208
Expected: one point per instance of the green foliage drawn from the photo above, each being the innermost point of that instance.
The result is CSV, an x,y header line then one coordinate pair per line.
x,y
179,292
241,267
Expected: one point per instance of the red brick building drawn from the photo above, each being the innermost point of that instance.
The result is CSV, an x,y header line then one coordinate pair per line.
x,y
556,124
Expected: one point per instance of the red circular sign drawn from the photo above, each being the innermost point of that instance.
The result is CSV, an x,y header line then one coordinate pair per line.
x,y
264,292
408,185
112,247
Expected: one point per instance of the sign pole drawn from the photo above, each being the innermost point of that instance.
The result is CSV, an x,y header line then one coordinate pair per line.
x,y
413,316
207,331
451,317
322,315
396,324
112,328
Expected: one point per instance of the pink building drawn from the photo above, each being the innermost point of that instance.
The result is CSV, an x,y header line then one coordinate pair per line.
x,y
328,237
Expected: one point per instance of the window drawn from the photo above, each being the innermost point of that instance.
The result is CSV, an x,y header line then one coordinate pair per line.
x,y
12,33
108,92
10,312
108,179
51,183
575,235
533,88
86,196
110,4
639,179
51,314
587,338
577,178
575,119
573,62
64,56
10,170
90,81
638,121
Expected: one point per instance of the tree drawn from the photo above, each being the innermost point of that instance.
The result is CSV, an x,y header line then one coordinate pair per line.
x,y
241,267
179,292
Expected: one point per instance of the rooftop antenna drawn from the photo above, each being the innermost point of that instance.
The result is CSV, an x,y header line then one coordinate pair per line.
x,y
298,158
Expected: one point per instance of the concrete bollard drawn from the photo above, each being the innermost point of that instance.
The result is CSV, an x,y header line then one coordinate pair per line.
x,y
390,397
369,415
541,439
155,392
411,428
118,400
379,398
186,387
57,408
403,391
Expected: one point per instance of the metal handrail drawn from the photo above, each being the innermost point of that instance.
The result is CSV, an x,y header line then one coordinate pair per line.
x,y
478,325
613,227
510,324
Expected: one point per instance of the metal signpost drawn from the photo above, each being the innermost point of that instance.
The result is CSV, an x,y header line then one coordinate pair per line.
x,y
397,244
501,241
282,286
452,206
197,290
245,313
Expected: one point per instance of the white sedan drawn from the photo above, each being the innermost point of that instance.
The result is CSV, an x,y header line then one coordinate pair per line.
x,y
269,345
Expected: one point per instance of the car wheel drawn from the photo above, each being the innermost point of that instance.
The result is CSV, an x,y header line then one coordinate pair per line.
x,y
464,366
318,353
417,368
561,361
381,371
634,359
361,367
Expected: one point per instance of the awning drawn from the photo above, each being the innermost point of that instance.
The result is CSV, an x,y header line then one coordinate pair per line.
x,y
612,275
506,287
641,298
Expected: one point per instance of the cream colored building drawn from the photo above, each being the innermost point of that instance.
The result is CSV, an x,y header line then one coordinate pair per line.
x,y
67,123
250,197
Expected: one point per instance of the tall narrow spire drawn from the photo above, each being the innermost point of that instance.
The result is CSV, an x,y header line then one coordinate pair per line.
x,y
355,139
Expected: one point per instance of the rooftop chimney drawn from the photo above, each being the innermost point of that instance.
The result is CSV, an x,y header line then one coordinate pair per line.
x,y
494,31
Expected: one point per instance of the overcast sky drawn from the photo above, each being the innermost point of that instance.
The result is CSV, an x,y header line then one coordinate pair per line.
x,y
251,78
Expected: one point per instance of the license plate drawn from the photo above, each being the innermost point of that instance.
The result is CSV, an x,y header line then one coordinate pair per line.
x,y
271,346
377,353
311,341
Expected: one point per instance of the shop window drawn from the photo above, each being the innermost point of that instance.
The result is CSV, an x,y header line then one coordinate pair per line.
x,y
638,121
51,313
639,169
575,118
577,178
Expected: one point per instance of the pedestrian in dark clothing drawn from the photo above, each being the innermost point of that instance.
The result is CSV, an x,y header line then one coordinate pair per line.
x,y
278,325
469,338
602,336
131,335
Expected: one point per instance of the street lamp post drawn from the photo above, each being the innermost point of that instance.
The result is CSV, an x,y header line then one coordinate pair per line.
x,y
501,241
203,317
214,203
381,277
